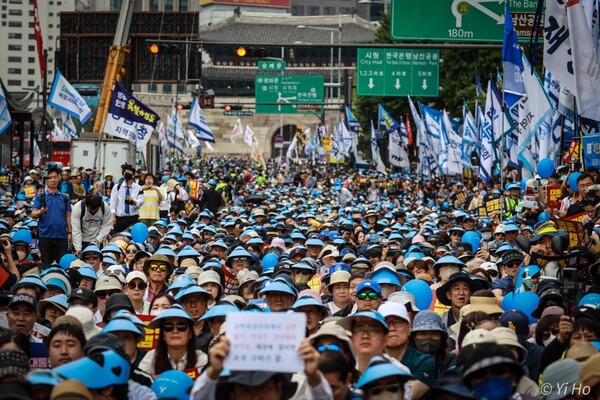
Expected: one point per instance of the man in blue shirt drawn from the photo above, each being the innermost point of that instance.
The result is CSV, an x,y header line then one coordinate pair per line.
x,y
53,209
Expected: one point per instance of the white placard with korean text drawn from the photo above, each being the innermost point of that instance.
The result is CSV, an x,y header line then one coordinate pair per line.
x,y
265,341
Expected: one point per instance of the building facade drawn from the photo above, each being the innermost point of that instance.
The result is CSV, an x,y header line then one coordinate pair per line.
x,y
19,66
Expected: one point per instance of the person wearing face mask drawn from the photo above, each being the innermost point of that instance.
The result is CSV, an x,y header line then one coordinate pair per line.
x,y
125,200
429,336
165,205
421,365
492,372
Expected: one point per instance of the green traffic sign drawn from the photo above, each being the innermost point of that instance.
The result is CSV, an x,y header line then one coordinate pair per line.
x,y
398,72
271,65
289,94
459,20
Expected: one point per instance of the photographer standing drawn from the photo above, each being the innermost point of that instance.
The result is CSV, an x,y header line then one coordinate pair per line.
x,y
53,209
126,199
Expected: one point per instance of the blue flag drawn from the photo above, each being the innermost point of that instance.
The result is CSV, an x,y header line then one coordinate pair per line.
x,y
353,124
511,59
129,119
387,124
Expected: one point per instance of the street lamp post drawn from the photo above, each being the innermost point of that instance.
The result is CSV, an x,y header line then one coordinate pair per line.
x,y
339,66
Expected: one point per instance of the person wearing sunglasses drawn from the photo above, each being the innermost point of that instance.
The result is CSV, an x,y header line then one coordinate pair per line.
x,y
195,300
105,287
176,345
130,252
93,256
383,379
456,234
157,268
368,296
509,264
135,287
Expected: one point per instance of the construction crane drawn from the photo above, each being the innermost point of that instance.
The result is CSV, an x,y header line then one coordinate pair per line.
x,y
116,60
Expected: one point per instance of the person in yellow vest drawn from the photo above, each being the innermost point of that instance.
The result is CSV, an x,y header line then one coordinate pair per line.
x,y
512,201
150,210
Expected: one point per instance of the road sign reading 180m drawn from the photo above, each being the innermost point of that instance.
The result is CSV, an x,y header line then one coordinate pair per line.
x,y
398,72
460,20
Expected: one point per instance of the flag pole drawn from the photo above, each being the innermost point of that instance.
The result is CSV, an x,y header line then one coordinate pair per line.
x,y
44,106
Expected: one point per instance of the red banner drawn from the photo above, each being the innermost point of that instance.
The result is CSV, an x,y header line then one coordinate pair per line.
x,y
39,41
408,131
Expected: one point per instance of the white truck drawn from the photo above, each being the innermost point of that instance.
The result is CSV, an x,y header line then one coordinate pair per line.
x,y
106,156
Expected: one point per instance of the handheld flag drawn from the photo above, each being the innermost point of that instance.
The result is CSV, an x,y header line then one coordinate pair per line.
x,y
5,119
39,40
129,118
585,63
249,136
64,97
511,61
375,151
237,130
198,121
387,124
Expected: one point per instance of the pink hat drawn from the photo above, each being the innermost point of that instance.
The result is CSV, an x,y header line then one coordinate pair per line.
x,y
552,310
278,242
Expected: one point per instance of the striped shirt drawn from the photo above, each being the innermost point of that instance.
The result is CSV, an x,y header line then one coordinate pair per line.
x,y
151,207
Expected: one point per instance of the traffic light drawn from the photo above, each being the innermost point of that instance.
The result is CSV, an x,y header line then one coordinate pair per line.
x,y
163,49
259,52
233,107
180,106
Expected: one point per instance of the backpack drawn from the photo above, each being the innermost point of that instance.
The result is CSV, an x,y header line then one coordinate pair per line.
x,y
83,208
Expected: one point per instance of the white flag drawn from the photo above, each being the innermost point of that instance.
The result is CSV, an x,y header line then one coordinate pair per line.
x,y
198,121
345,137
5,119
237,130
585,63
454,147
68,125
397,153
64,97
379,166
192,139
293,148
210,146
249,136
486,150
533,110
37,153
58,134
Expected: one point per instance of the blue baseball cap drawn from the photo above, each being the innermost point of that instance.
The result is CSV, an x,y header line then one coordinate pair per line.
x,y
368,284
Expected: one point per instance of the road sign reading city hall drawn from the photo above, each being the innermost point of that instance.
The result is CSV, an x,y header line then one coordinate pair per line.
x,y
398,72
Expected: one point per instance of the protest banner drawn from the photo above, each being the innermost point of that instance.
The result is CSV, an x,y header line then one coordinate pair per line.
x,y
492,206
553,197
150,338
265,341
573,228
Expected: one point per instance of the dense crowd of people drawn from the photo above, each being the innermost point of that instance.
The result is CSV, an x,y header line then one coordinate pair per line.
x,y
120,287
